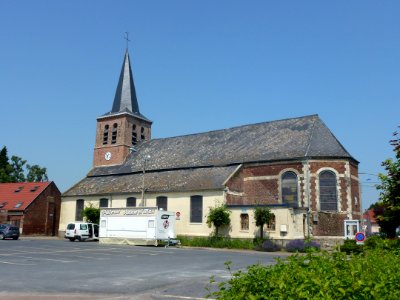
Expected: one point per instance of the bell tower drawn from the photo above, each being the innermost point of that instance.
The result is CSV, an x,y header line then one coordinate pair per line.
x,y
124,126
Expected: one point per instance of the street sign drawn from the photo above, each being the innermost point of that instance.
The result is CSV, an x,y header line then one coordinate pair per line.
x,y
360,237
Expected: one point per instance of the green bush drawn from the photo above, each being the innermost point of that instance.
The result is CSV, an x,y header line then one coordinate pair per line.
x,y
216,242
375,275
379,242
351,246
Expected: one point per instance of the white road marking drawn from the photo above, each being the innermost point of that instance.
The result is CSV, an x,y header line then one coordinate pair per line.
x,y
18,264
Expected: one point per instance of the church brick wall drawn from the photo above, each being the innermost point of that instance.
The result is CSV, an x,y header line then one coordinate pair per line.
x,y
261,184
120,150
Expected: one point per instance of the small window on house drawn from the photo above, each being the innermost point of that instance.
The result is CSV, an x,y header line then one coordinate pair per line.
x,y
34,189
114,133
244,222
272,223
162,202
103,202
18,189
196,209
131,202
327,191
142,137
134,135
78,210
289,189
3,204
105,135
18,205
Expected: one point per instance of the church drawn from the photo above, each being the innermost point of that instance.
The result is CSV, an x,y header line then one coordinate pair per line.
x,y
295,166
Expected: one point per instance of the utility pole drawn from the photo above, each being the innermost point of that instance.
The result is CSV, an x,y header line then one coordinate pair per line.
x,y
143,177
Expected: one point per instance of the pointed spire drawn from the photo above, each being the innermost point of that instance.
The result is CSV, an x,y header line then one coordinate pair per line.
x,y
125,96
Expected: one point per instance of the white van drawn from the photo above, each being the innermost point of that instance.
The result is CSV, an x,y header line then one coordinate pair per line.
x,y
82,231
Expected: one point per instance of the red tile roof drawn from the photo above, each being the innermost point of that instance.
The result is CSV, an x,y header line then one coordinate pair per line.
x,y
18,195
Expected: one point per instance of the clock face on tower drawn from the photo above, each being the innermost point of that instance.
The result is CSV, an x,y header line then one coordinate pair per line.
x,y
107,156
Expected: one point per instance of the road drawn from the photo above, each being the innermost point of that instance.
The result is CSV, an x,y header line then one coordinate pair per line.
x,y
33,268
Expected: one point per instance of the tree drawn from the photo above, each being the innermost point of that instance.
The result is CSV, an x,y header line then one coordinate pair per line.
x,y
5,167
262,216
92,214
36,173
218,216
15,171
17,174
388,207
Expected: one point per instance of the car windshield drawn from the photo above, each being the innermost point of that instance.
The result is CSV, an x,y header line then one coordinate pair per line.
x,y
2,226
71,226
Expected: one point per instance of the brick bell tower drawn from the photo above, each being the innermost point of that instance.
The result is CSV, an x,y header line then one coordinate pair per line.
x,y
124,126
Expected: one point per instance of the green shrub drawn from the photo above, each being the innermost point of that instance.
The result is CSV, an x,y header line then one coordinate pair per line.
x,y
216,242
351,246
375,275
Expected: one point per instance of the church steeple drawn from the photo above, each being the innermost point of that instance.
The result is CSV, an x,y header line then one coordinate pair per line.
x,y
125,96
124,126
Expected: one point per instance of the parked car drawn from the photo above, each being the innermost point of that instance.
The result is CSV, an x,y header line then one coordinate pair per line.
x,y
8,231
82,231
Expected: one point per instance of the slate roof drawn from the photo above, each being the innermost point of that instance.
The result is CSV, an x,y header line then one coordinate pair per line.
x,y
125,100
205,160
20,192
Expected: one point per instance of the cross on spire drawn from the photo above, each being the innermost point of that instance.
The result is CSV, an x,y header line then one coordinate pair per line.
x,y
127,39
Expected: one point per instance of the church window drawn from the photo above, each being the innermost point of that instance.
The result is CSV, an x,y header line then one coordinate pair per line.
x,y
289,189
105,135
162,202
131,202
327,191
244,222
114,134
134,135
196,209
78,209
142,137
103,202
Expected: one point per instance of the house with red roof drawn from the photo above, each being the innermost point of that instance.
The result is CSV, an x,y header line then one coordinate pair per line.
x,y
371,225
32,206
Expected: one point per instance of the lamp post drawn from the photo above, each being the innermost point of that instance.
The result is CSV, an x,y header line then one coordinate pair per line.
x,y
143,177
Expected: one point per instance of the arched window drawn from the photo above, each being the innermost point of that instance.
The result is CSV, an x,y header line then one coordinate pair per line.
x,y
327,191
289,189
78,209
162,202
131,202
105,135
114,134
142,138
244,221
134,135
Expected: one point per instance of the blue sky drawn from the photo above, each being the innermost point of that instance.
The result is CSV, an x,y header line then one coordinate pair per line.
x,y
198,66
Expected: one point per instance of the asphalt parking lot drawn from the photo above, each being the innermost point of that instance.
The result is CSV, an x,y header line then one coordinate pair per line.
x,y
33,268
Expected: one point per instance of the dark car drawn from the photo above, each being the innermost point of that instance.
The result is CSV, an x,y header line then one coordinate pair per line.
x,y
8,231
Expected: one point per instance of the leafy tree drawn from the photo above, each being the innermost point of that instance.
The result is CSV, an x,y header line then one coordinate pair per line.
x,y
5,167
17,173
218,216
92,214
16,170
36,173
262,215
388,207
